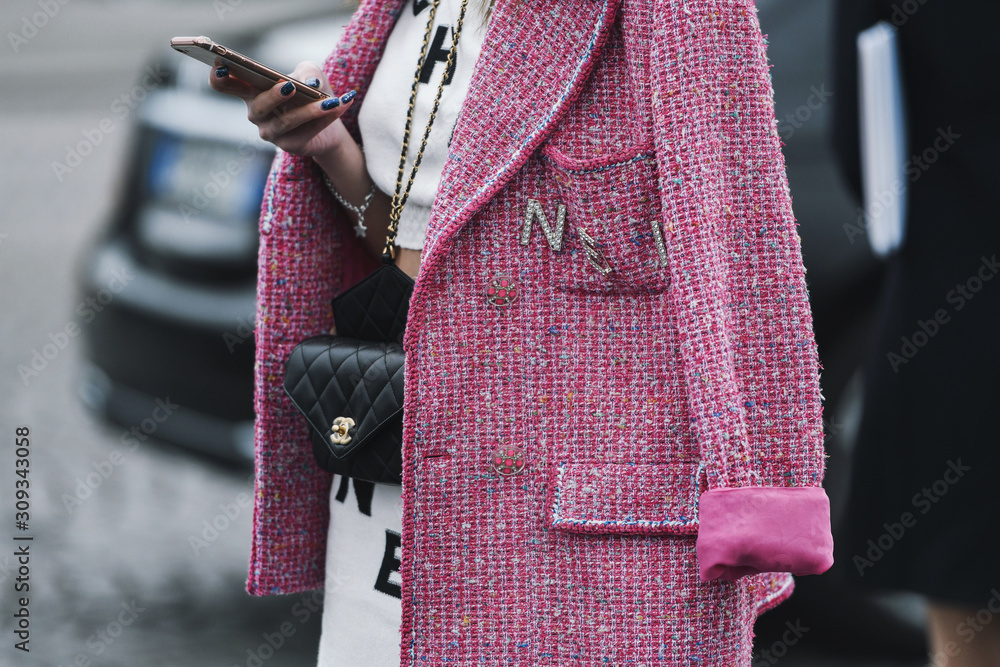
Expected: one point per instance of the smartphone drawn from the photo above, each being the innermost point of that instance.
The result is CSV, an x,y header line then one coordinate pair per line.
x,y
243,68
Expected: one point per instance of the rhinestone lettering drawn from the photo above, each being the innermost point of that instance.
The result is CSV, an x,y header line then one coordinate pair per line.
x,y
553,236
594,255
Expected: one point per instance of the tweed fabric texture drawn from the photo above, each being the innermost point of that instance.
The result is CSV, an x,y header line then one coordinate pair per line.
x,y
691,365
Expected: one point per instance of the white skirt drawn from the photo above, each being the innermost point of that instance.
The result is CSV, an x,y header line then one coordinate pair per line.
x,y
362,603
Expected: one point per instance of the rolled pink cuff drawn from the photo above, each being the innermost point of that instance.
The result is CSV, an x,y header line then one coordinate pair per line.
x,y
748,530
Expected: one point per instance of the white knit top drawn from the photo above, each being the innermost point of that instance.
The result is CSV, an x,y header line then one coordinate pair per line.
x,y
383,115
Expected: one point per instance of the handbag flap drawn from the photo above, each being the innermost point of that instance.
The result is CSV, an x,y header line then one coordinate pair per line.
x,y
329,376
375,308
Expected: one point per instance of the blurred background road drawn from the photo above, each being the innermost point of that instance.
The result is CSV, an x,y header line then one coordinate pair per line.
x,y
140,547
122,548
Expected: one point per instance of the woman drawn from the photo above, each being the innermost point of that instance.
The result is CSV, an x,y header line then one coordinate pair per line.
x,y
610,293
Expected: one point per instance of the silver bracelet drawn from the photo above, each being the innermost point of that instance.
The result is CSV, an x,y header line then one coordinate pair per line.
x,y
359,228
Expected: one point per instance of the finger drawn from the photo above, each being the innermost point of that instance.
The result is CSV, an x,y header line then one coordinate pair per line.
x,y
312,75
286,120
221,80
267,102
304,137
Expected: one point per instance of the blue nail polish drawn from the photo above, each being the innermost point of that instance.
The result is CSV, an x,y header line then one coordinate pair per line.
x,y
313,82
331,103
222,72
347,97
288,88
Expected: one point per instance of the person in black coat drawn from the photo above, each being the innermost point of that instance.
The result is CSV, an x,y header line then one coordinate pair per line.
x,y
923,509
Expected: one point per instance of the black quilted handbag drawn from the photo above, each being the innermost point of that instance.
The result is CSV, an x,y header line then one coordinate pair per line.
x,y
350,386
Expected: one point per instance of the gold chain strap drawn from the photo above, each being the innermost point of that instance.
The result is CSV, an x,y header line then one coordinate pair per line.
x,y
401,195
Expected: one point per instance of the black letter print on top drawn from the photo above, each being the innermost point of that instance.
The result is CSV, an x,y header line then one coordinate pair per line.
x,y
438,50
390,564
439,54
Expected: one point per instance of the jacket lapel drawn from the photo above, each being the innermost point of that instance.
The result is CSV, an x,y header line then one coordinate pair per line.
x,y
534,60
535,57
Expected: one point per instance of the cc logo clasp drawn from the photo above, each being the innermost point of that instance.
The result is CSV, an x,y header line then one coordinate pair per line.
x,y
339,430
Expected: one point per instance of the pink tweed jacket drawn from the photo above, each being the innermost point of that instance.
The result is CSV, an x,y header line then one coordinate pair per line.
x,y
612,432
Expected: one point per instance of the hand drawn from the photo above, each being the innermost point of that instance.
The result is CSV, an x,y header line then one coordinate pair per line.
x,y
303,129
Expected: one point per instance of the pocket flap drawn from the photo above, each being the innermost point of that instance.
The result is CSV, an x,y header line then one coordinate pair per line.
x,y
616,497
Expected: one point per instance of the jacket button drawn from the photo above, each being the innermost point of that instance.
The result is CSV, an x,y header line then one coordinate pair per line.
x,y
501,291
508,461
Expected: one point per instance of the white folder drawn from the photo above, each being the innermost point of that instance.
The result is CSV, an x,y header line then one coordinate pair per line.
x,y
882,125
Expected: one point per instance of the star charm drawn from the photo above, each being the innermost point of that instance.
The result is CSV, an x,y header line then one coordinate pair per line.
x,y
360,230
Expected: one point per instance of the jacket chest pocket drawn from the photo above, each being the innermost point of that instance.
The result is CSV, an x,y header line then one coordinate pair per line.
x,y
602,219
